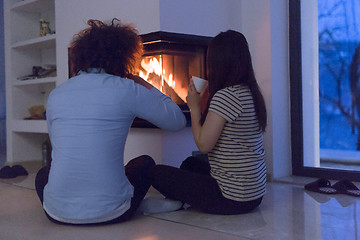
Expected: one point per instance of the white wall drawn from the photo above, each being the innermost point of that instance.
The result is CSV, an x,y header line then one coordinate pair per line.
x,y
145,16
177,146
2,88
263,22
280,111
310,83
256,26
2,65
142,141
71,17
200,17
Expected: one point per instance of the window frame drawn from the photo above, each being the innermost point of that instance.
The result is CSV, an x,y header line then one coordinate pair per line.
x,y
296,105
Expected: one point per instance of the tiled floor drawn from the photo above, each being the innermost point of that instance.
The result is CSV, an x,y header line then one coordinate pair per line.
x,y
287,212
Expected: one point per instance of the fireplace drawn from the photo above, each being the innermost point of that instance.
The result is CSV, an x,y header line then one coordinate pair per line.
x,y
169,61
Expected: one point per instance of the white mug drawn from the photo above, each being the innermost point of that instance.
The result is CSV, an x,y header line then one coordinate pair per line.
x,y
199,83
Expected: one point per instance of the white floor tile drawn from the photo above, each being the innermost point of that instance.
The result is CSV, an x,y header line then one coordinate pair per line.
x,y
287,212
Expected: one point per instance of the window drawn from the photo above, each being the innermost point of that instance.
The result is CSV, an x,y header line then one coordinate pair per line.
x,y
325,88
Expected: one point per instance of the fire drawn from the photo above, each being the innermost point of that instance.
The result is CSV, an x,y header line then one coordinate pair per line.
x,y
154,73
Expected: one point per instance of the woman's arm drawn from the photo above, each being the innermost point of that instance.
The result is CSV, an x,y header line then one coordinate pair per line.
x,y
205,136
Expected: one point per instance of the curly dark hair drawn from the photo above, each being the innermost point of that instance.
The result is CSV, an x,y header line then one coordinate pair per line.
x,y
114,47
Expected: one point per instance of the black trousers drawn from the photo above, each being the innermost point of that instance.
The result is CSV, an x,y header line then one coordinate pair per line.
x,y
137,171
192,184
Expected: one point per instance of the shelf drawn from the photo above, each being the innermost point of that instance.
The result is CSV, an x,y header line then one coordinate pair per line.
x,y
35,81
25,48
33,5
44,42
30,126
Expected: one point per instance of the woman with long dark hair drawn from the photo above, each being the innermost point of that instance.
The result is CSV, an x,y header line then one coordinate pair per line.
x,y
230,131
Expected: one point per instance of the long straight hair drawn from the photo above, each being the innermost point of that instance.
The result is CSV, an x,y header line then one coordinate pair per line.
x,y
229,63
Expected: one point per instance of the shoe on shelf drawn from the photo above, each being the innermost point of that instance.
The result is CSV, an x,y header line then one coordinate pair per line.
x,y
153,205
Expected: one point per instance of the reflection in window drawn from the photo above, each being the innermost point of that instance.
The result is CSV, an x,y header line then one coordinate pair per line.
x,y
339,80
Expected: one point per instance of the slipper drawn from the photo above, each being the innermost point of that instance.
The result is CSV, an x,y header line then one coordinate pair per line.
x,y
321,186
12,172
19,170
347,187
7,172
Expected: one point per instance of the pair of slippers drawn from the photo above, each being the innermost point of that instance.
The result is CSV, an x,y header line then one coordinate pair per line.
x,y
12,172
324,186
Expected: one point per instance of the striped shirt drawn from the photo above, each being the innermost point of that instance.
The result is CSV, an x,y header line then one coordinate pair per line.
x,y
237,160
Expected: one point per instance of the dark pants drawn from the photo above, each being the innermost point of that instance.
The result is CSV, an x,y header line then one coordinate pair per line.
x,y
193,184
137,171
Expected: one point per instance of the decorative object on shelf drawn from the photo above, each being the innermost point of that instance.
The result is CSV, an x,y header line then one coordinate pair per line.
x,y
44,27
40,72
36,113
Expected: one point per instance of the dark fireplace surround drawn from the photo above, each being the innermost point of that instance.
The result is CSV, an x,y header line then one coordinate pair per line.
x,y
169,61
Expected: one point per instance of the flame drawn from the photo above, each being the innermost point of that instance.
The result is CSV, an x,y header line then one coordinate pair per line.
x,y
171,82
153,65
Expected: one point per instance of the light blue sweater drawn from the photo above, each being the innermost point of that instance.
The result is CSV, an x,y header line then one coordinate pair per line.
x,y
89,118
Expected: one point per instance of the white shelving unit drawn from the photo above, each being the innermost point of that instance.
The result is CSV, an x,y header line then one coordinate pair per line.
x,y
25,48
